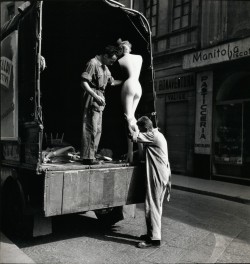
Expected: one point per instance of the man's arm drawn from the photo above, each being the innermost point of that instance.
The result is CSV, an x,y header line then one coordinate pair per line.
x,y
116,82
89,90
143,137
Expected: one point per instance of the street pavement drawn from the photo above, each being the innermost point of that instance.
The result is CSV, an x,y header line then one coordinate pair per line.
x,y
232,246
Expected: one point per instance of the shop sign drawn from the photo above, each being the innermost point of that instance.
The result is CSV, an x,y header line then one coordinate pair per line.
x,y
203,128
9,87
173,97
226,52
174,83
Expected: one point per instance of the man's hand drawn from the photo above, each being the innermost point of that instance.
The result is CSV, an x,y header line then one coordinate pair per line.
x,y
133,135
100,100
117,82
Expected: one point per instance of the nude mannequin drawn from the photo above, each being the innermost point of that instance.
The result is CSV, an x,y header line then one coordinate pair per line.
x,y
131,89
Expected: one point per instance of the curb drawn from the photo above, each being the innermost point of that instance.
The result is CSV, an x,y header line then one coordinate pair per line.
x,y
209,193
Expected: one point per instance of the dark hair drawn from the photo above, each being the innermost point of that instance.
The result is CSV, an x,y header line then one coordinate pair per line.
x,y
110,50
145,122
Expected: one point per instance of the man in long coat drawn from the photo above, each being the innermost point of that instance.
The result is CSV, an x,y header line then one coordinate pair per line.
x,y
157,179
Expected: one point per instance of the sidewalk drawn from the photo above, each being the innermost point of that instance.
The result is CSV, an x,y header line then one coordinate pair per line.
x,y
229,191
10,253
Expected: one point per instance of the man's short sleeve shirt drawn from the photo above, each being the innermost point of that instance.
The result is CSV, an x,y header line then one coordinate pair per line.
x,y
97,75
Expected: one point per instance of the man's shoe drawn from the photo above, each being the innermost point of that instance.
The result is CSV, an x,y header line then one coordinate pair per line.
x,y
96,162
149,244
145,237
91,162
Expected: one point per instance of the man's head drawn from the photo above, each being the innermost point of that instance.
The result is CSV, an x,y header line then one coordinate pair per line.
x,y
109,55
144,124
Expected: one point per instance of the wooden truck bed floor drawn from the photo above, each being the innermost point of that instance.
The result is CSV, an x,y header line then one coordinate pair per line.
x,y
79,166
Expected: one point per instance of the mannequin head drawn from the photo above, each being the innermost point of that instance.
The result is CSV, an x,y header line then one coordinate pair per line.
x,y
125,46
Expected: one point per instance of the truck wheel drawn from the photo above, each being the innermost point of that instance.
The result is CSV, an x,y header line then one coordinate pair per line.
x,y
13,219
109,216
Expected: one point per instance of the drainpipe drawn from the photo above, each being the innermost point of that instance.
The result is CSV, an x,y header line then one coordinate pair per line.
x,y
131,4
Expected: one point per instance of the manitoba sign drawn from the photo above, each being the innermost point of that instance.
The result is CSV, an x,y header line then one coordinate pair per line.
x,y
226,52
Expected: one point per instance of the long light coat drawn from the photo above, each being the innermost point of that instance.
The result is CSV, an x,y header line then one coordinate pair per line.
x,y
158,179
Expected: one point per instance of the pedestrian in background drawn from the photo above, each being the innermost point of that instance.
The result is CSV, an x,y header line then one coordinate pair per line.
x,y
94,79
158,182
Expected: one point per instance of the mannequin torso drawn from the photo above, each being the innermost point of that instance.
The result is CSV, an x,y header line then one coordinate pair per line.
x,y
131,67
131,92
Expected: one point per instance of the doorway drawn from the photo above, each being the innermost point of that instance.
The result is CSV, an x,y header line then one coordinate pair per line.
x,y
176,134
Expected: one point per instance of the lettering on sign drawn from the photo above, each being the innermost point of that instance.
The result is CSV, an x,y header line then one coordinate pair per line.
x,y
9,87
6,69
226,52
174,83
171,97
203,113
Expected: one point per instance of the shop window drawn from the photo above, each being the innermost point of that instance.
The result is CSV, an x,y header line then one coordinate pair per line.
x,y
232,143
232,127
228,134
181,14
151,12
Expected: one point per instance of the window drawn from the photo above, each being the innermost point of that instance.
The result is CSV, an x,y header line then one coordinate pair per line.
x,y
11,11
181,14
151,11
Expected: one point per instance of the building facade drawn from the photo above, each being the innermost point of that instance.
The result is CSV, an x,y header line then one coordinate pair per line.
x,y
201,51
9,9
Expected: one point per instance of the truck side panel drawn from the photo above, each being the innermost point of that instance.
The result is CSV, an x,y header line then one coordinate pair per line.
x,y
76,191
108,187
91,189
53,193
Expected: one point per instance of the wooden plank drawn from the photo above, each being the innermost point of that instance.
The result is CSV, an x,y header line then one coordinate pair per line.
x,y
53,188
107,187
76,191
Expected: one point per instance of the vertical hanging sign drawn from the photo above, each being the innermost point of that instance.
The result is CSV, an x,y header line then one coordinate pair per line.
x,y
203,128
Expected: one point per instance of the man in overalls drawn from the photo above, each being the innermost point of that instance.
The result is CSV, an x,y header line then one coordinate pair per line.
x,y
94,80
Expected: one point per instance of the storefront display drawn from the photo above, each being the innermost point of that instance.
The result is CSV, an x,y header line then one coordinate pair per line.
x,y
228,134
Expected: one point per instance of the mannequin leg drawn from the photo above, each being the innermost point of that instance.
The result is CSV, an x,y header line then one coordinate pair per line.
x,y
130,151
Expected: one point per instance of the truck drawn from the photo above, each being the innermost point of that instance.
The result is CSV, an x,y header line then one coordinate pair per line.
x,y
43,52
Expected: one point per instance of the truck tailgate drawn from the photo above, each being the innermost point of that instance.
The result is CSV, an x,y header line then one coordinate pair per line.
x,y
84,189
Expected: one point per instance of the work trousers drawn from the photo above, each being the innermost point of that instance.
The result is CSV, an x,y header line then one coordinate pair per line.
x,y
155,192
91,132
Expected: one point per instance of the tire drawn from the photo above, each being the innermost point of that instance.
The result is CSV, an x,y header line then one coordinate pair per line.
x,y
109,216
14,221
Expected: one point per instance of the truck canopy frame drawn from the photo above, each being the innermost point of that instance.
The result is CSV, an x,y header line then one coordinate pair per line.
x,y
67,34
